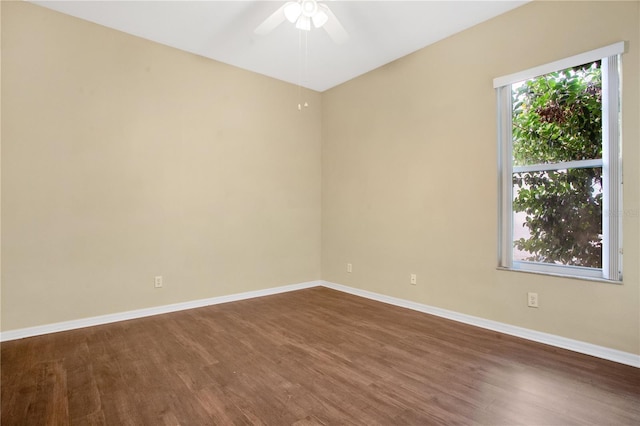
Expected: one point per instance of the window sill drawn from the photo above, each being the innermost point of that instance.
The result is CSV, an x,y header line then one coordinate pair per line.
x,y
551,274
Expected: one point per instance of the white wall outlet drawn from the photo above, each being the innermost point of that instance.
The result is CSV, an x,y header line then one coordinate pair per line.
x,y
349,268
413,279
532,300
158,282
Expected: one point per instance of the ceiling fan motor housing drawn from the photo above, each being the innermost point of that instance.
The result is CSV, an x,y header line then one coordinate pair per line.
x,y
309,8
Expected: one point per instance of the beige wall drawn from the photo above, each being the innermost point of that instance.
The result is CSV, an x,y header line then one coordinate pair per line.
x,y
124,159
410,183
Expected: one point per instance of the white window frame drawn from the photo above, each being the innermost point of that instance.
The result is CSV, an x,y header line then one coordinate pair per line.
x,y
611,164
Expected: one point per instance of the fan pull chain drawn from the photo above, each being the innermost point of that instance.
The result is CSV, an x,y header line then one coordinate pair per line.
x,y
306,60
299,70
302,104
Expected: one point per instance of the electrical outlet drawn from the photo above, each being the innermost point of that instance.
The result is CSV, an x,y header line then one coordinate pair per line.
x,y
158,282
532,300
349,268
414,279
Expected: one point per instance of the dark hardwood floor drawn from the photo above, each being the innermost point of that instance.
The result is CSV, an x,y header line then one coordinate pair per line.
x,y
310,357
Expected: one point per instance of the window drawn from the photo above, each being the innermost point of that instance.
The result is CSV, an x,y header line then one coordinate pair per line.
x,y
560,167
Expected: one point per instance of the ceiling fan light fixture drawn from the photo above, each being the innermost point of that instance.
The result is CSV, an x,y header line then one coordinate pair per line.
x,y
292,11
319,19
304,23
302,13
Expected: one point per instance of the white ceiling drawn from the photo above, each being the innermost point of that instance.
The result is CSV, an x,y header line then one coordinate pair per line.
x,y
380,32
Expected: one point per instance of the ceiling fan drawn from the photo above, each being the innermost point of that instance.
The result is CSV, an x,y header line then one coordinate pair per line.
x,y
303,13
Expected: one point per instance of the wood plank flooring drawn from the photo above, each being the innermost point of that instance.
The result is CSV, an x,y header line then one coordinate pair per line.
x,y
310,357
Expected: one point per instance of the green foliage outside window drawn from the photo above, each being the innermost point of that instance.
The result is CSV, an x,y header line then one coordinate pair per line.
x,y
557,117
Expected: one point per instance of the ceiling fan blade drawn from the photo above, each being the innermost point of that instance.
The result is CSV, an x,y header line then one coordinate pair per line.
x,y
269,24
334,28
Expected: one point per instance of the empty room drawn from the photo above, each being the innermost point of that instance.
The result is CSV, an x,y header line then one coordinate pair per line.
x,y
320,212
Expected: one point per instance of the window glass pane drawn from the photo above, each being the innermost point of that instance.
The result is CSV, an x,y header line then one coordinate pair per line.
x,y
557,217
557,117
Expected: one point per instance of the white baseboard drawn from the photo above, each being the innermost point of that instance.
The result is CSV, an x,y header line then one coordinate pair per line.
x,y
525,333
536,336
140,313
